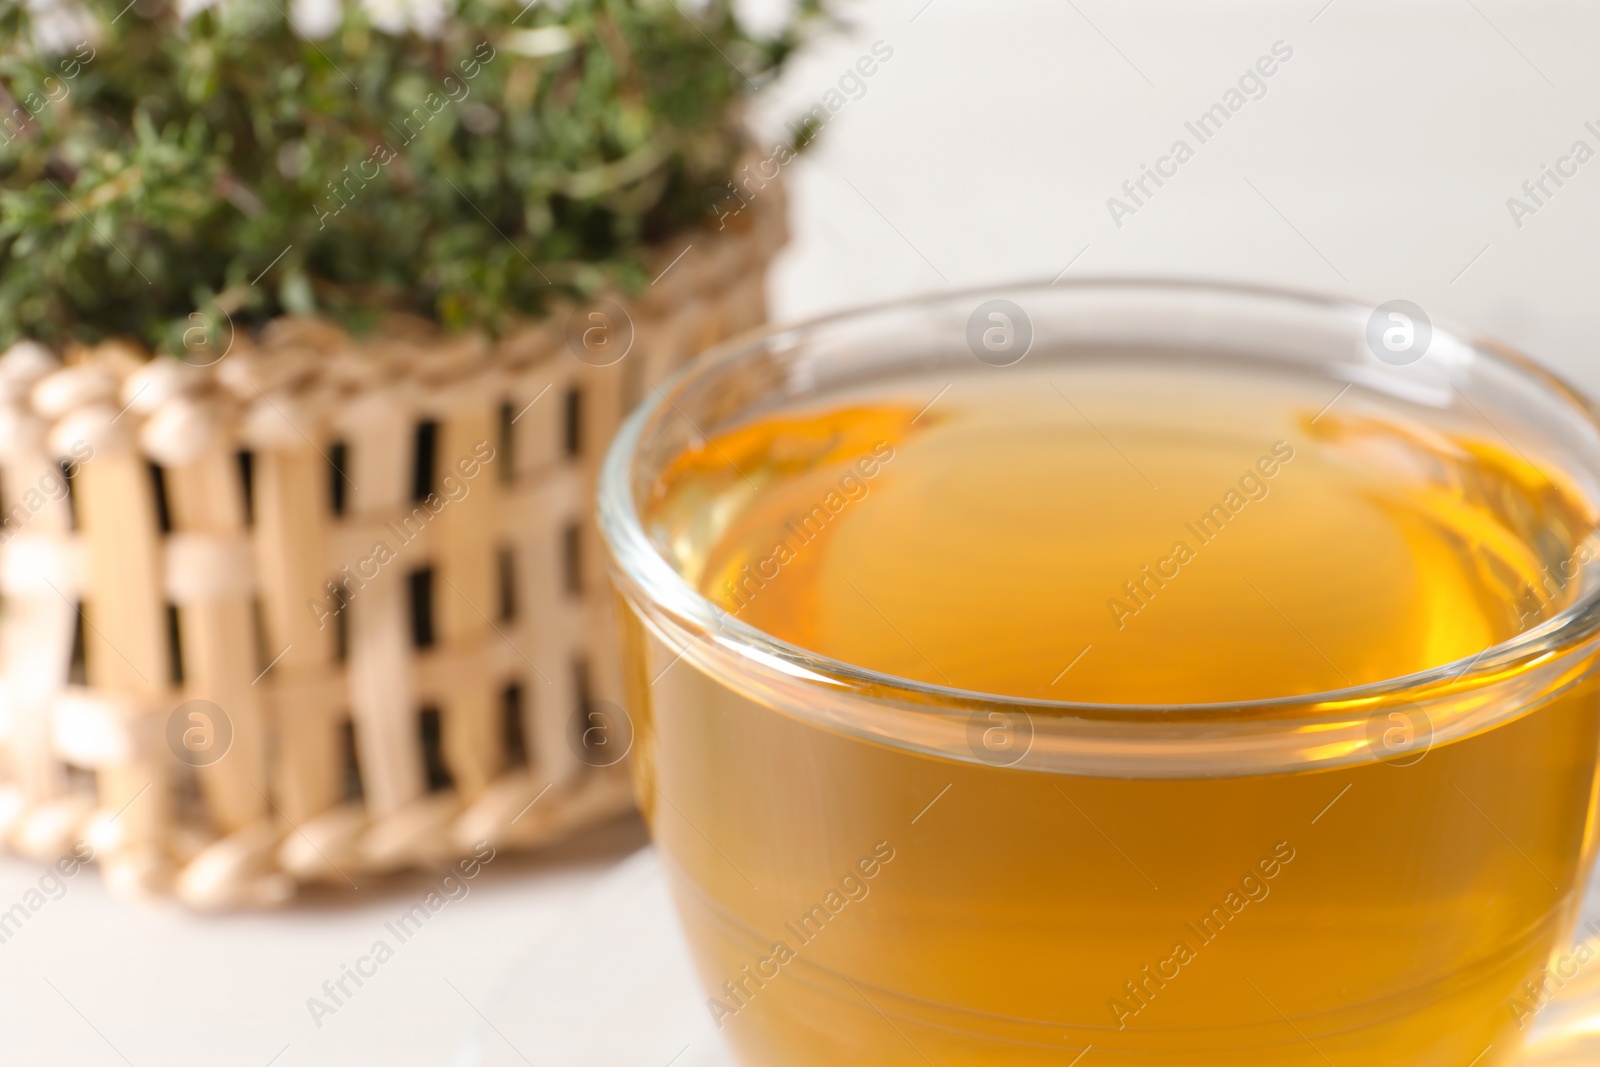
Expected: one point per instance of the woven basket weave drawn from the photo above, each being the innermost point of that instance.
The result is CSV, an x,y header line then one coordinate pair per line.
x,y
216,539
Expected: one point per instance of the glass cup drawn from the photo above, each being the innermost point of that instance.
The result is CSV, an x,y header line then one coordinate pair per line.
x,y
878,870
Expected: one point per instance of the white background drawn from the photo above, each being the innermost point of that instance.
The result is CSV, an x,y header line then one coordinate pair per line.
x,y
986,148
1378,164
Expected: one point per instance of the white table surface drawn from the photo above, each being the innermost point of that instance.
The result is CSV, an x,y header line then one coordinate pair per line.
x,y
1378,164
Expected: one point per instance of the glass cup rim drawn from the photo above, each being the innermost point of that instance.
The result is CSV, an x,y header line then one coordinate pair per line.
x,y
638,565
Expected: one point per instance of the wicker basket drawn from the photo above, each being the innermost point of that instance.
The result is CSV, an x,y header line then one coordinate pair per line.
x,y
212,672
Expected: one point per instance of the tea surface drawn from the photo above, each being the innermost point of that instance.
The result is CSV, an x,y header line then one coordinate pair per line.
x,y
1173,538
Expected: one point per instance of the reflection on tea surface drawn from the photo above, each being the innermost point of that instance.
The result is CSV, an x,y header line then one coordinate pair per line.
x,y
1207,537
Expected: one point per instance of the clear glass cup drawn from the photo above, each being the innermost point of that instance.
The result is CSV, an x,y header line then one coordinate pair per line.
x,y
877,870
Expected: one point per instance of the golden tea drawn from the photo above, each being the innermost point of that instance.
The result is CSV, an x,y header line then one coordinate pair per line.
x,y
1234,554
1135,535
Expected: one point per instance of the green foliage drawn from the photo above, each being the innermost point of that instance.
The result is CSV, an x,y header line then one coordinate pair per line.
x,y
161,167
